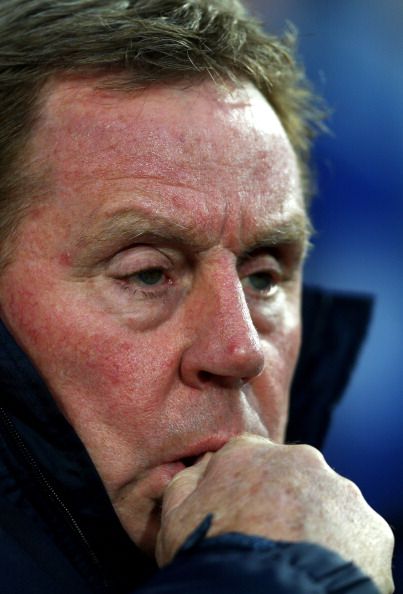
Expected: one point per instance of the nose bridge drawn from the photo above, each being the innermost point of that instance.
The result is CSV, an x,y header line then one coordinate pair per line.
x,y
225,341
232,316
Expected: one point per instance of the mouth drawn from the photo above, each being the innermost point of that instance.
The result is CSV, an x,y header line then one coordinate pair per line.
x,y
195,453
191,460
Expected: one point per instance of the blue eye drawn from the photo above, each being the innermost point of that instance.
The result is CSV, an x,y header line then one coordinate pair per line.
x,y
150,277
261,283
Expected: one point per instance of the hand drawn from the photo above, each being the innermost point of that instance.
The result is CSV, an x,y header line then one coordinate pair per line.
x,y
281,492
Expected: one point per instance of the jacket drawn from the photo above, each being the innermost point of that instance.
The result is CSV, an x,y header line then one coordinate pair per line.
x,y
59,533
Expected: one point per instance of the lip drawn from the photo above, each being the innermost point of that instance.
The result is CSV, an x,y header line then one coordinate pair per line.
x,y
164,472
194,452
168,468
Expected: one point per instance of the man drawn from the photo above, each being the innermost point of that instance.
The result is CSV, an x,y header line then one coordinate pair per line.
x,y
154,226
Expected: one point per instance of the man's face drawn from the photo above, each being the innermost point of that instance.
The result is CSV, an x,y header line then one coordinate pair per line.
x,y
157,286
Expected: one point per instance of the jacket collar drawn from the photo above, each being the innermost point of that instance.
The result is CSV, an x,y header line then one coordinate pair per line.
x,y
335,325
63,460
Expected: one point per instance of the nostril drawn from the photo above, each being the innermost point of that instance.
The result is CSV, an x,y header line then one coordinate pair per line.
x,y
205,376
224,381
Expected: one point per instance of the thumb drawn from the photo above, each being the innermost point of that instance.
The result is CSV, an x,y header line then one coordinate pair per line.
x,y
176,493
183,484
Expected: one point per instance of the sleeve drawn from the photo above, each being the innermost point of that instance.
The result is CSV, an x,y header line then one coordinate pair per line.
x,y
235,563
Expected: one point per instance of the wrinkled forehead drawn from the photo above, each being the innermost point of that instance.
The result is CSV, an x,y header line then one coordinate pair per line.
x,y
195,125
167,146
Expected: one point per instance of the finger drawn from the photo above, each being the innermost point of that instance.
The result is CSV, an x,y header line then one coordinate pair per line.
x,y
247,439
183,484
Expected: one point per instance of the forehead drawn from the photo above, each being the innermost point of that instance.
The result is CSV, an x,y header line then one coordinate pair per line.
x,y
174,151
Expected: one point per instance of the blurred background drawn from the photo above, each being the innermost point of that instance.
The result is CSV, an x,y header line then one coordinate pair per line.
x,y
353,52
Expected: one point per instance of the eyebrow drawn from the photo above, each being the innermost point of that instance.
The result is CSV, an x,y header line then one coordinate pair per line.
x,y
126,227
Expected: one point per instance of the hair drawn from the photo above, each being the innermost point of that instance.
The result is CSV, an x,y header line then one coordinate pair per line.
x,y
139,43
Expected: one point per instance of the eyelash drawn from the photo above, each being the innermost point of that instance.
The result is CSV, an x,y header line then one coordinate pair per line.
x,y
161,291
129,286
263,293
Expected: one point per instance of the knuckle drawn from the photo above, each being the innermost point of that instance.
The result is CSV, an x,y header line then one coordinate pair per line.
x,y
311,455
352,488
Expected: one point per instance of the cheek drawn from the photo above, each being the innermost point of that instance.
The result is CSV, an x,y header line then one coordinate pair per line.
x,y
272,387
94,364
110,370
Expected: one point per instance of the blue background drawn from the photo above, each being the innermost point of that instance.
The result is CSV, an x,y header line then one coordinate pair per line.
x,y
353,52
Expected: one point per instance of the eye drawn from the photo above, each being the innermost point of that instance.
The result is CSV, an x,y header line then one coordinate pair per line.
x,y
150,277
262,283
144,272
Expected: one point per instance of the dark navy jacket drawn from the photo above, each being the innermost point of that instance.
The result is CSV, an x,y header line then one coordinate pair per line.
x,y
59,533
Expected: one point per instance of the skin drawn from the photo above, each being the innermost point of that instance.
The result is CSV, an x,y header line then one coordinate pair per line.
x,y
296,497
201,184
155,284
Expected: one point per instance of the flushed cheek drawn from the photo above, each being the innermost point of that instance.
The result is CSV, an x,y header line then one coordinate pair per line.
x,y
93,364
115,376
110,390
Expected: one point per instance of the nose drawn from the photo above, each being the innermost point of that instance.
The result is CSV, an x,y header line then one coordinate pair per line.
x,y
225,347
